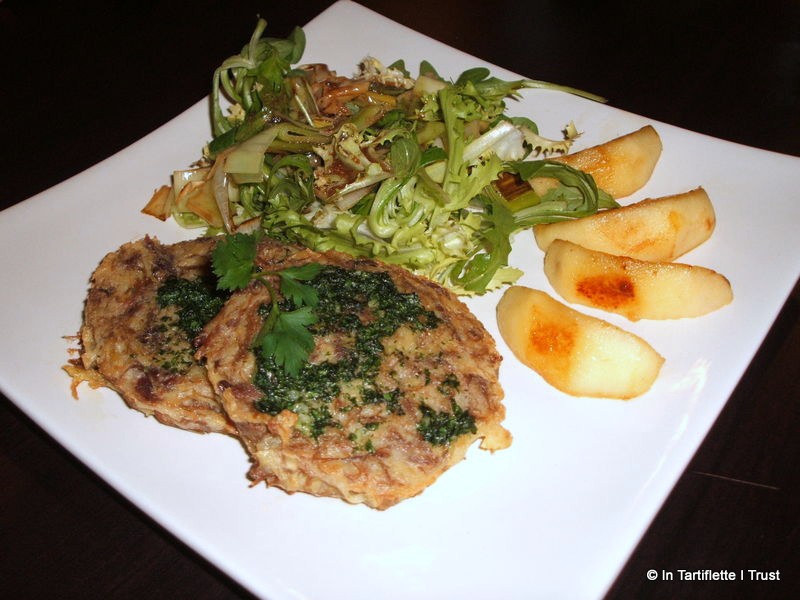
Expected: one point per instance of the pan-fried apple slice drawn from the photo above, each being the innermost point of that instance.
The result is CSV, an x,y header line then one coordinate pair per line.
x,y
633,288
576,353
620,166
655,229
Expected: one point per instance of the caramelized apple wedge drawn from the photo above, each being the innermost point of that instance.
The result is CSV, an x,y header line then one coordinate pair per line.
x,y
620,166
576,353
655,229
633,288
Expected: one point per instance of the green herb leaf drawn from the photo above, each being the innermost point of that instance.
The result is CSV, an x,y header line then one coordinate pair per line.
x,y
290,342
285,336
292,288
233,261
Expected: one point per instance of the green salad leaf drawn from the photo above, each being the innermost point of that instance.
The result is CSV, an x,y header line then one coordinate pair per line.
x,y
381,164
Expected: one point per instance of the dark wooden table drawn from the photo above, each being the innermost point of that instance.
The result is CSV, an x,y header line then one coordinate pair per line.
x,y
83,80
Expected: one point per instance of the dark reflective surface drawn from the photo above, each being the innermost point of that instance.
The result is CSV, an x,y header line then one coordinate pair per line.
x,y
82,81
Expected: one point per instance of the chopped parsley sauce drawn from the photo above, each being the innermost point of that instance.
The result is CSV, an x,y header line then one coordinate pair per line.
x,y
359,309
196,300
440,428
187,305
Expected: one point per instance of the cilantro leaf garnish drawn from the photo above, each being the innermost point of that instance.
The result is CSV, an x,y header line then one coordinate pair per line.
x,y
284,336
233,261
292,288
289,342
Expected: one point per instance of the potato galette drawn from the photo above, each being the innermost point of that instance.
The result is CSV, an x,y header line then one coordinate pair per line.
x,y
402,379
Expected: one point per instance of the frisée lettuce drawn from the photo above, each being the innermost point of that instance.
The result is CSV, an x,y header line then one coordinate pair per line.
x,y
423,172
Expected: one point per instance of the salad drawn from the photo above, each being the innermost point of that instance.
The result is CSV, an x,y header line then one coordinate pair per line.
x,y
424,172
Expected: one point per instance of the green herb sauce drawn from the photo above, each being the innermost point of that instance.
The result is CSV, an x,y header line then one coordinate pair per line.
x,y
440,428
360,308
196,300
186,306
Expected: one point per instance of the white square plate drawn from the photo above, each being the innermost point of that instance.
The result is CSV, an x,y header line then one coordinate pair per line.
x,y
554,516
